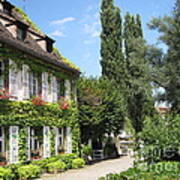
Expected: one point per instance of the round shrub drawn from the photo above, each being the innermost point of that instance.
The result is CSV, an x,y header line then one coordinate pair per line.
x,y
78,163
55,167
29,172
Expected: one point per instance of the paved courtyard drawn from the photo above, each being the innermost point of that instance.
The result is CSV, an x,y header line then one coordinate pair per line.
x,y
95,171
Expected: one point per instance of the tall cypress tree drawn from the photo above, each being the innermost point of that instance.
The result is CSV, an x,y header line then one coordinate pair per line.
x,y
138,83
111,41
113,66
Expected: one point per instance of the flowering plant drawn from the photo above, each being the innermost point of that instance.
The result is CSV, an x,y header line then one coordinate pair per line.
x,y
38,101
64,104
4,94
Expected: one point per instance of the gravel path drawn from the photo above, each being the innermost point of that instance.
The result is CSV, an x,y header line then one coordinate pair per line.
x,y
95,171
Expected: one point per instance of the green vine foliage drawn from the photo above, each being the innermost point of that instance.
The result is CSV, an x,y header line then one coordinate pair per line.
x,y
28,114
76,139
23,146
52,141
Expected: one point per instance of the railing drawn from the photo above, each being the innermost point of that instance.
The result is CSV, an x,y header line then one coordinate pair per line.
x,y
98,154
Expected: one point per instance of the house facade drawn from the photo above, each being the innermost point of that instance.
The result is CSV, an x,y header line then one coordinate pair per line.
x,y
38,115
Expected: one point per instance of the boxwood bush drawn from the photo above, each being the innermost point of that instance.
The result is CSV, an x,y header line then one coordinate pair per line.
x,y
29,171
78,163
56,167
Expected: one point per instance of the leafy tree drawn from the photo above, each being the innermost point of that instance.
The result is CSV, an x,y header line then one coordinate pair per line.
x,y
160,138
115,112
169,27
90,108
101,108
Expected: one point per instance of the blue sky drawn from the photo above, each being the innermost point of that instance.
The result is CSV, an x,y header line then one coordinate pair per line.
x,y
75,25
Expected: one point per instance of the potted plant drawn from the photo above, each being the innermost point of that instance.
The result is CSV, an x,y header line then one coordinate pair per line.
x,y
64,104
2,160
61,149
35,154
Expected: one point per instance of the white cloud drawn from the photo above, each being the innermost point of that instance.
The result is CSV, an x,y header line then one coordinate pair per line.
x,y
63,21
58,33
96,34
88,42
93,29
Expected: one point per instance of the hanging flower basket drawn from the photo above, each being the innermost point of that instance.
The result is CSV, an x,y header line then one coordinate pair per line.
x,y
38,101
64,104
4,94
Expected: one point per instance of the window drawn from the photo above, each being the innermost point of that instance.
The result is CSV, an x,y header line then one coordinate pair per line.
x,y
21,34
36,139
49,47
60,88
60,139
1,75
33,84
7,8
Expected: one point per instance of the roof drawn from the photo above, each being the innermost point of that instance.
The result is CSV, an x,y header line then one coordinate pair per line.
x,y
30,46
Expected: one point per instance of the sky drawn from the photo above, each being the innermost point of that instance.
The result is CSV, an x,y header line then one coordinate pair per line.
x,y
75,25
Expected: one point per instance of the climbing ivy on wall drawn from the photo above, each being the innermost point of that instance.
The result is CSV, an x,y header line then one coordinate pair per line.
x,y
52,142
23,146
28,114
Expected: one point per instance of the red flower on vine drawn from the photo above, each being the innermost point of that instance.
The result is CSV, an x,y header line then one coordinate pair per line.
x,y
38,101
64,104
4,94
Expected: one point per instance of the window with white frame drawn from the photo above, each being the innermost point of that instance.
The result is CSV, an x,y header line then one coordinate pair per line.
x,y
60,139
60,88
33,84
1,75
36,141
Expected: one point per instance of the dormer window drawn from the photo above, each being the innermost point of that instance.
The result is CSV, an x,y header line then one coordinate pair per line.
x,y
7,7
49,44
21,30
21,34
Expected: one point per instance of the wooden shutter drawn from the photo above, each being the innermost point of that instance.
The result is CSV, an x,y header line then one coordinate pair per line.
x,y
1,75
54,89
25,78
67,89
45,86
13,79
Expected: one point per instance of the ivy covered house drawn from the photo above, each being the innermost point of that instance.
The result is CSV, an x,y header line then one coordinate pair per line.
x,y
38,115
